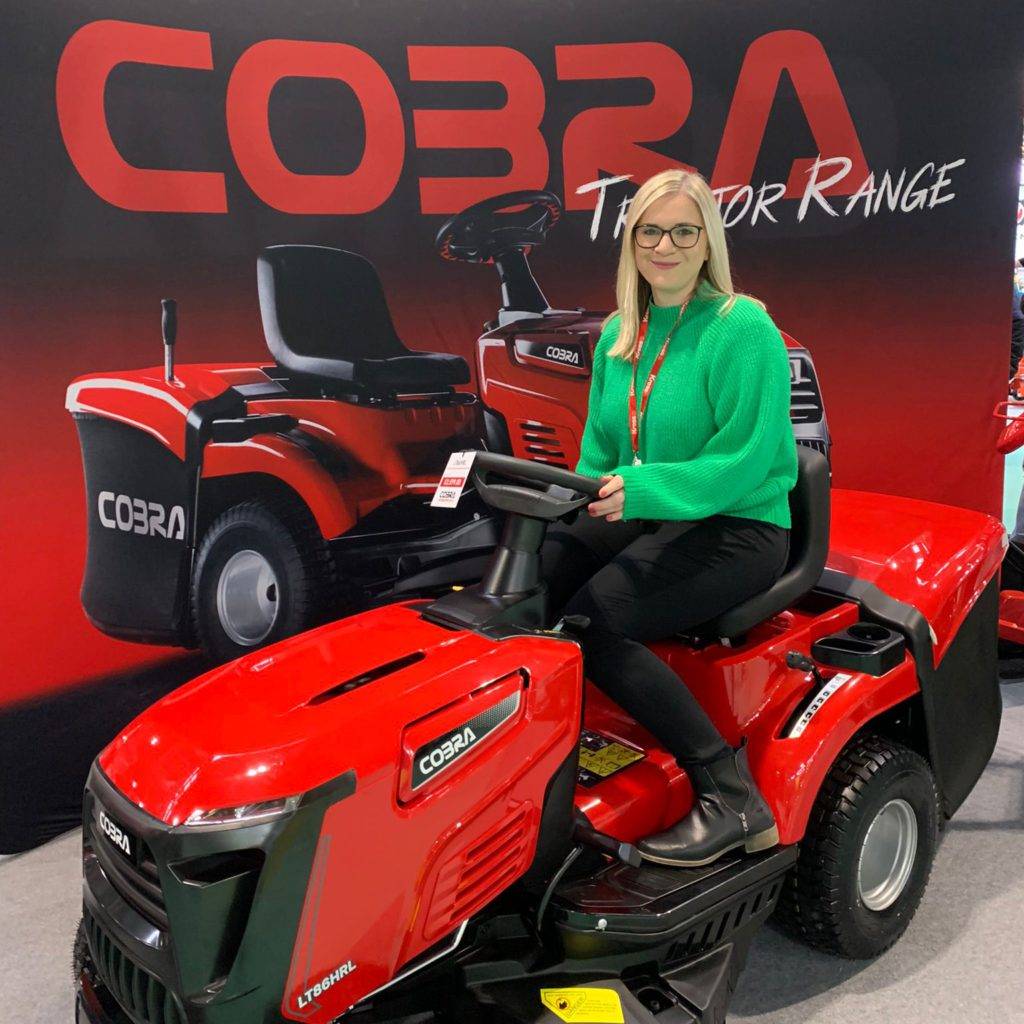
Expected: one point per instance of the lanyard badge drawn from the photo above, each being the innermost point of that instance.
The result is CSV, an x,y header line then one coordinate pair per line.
x,y
635,416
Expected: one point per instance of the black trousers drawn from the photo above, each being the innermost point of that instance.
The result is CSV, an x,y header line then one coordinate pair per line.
x,y
638,582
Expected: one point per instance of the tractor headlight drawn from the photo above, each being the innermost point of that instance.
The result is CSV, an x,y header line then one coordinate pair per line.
x,y
243,814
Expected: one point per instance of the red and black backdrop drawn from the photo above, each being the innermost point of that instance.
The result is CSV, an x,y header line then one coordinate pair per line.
x,y
867,157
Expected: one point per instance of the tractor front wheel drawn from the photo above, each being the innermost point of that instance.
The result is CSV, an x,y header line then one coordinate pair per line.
x,y
263,572
867,854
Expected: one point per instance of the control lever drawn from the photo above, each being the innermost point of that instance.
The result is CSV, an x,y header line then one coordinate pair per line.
x,y
627,853
574,624
797,660
169,330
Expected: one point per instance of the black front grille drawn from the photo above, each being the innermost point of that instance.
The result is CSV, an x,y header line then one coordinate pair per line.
x,y
136,880
142,996
815,443
805,404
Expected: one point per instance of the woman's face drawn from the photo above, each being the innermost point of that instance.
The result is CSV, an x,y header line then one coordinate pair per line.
x,y
671,271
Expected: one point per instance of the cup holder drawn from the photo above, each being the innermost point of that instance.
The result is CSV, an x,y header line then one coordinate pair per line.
x,y
863,647
867,631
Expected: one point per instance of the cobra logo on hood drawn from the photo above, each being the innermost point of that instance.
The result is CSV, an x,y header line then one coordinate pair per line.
x,y
440,753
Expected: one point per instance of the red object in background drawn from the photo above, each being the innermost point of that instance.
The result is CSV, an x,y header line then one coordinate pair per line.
x,y
1011,437
1011,616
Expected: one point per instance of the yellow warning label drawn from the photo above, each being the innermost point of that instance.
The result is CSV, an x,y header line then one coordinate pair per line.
x,y
579,1005
608,760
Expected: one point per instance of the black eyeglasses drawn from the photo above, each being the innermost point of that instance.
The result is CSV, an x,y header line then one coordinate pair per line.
x,y
684,236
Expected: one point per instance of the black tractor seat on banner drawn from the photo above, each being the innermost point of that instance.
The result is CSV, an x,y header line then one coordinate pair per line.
x,y
327,322
809,507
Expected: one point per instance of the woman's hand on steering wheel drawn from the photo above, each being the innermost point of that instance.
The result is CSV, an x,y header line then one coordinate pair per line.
x,y
612,499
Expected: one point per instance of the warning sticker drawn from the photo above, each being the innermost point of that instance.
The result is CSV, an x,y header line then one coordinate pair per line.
x,y
590,1005
600,758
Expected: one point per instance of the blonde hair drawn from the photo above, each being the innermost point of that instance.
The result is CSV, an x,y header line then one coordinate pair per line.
x,y
632,291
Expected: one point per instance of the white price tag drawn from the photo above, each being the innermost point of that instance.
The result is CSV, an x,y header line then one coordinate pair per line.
x,y
453,480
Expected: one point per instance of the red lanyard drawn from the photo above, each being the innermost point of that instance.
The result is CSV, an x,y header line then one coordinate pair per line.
x,y
634,418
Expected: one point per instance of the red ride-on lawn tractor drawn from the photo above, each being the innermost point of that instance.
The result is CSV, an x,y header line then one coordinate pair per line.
x,y
425,809
234,505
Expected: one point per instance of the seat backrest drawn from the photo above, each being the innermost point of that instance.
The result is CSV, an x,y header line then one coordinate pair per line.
x,y
322,305
810,510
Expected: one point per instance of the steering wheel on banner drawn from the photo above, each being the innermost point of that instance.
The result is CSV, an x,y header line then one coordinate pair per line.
x,y
482,231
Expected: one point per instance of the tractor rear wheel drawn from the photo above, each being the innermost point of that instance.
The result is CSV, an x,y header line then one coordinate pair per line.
x,y
263,572
867,853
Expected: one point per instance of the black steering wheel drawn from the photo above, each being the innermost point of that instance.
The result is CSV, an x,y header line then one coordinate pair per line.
x,y
550,494
482,232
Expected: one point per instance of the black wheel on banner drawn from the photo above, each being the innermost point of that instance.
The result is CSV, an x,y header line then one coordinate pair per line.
x,y
263,572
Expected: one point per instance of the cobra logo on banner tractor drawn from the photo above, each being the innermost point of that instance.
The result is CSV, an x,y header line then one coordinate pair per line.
x,y
134,515
563,355
439,753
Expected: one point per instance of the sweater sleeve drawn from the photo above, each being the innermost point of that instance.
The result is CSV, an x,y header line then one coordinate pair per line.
x,y
748,383
597,452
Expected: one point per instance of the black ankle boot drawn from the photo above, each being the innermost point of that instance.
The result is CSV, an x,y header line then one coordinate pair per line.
x,y
728,811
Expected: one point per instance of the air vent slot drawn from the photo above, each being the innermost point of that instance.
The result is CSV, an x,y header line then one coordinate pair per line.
x,y
541,442
805,404
370,676
717,929
219,867
474,877
814,443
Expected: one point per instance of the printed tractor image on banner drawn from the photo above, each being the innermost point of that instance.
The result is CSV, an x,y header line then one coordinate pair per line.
x,y
311,480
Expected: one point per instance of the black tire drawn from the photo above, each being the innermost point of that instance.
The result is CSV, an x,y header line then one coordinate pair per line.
x,y
285,536
820,902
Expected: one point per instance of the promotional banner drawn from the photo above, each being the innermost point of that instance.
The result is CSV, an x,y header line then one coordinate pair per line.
x,y
866,161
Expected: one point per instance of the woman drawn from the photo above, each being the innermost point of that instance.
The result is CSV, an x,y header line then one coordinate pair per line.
x,y
689,426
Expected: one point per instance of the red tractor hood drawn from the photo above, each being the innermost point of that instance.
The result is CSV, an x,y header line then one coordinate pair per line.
x,y
294,715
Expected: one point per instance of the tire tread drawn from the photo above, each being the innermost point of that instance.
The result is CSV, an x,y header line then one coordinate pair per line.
x,y
307,552
810,904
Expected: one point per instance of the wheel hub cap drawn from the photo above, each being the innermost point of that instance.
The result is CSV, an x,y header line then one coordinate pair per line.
x,y
887,856
247,598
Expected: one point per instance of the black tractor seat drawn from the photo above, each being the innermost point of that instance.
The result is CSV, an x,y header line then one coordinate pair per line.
x,y
809,507
327,322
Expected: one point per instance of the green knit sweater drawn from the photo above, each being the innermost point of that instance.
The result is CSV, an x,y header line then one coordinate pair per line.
x,y
716,437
